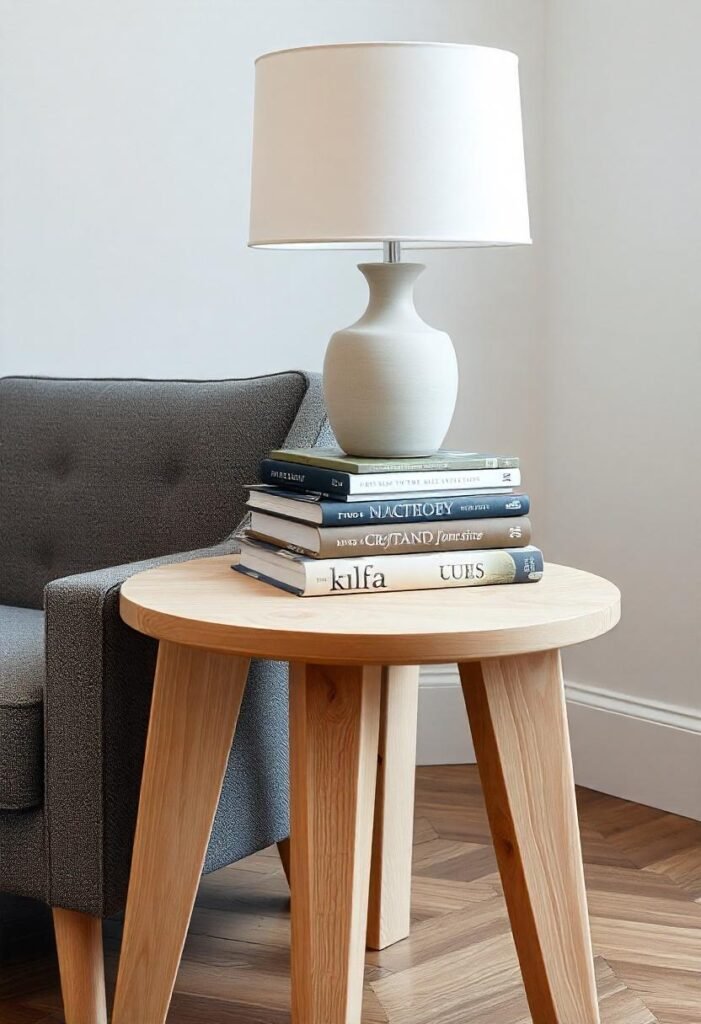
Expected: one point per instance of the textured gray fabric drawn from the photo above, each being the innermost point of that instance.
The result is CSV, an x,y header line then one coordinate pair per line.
x,y
22,671
255,794
102,472
98,696
99,672
23,853
311,427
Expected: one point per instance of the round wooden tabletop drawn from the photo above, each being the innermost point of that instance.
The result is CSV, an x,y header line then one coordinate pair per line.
x,y
204,603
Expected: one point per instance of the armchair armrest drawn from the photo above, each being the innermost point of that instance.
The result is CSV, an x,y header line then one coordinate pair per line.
x,y
99,678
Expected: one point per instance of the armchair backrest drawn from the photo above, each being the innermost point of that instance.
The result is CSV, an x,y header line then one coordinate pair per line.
x,y
102,472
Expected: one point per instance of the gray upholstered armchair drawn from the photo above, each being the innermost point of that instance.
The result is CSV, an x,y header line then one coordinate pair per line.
x,y
96,474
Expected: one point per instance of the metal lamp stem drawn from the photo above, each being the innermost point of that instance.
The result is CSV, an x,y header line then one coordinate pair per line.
x,y
391,252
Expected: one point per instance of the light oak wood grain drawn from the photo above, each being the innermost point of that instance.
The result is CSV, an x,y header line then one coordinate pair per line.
x,y
195,706
81,963
206,604
335,715
517,714
334,733
389,911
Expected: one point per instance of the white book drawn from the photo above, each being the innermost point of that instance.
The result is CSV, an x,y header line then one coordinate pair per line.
x,y
346,486
314,577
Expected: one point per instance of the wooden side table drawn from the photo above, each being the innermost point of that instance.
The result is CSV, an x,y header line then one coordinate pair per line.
x,y
210,621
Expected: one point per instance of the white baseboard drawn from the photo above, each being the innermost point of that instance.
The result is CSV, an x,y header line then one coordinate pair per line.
x,y
444,733
641,750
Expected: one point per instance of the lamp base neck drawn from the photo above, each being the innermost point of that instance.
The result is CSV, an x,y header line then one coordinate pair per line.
x,y
390,380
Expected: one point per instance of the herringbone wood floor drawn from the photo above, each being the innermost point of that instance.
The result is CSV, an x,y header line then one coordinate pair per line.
x,y
644,881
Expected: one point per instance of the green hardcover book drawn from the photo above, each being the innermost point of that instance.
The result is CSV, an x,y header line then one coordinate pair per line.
x,y
334,458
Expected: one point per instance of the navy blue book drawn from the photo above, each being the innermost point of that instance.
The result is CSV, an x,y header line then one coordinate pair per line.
x,y
354,486
324,511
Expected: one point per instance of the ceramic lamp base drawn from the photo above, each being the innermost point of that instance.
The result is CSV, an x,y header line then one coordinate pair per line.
x,y
390,380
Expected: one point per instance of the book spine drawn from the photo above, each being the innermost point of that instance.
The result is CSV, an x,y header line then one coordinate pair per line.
x,y
298,476
374,483
267,579
345,464
426,510
422,572
459,535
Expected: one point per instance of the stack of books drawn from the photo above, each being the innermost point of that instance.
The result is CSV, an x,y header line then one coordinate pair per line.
x,y
326,523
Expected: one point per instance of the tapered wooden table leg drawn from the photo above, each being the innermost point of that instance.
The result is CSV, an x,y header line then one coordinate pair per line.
x,y
283,849
517,713
334,731
390,875
196,700
82,966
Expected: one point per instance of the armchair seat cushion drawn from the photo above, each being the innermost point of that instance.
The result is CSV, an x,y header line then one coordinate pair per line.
x,y
22,676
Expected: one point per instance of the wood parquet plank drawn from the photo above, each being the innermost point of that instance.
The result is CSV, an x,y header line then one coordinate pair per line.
x,y
610,815
483,984
683,867
643,876
465,862
659,912
631,882
18,1014
673,996
442,936
423,831
654,944
434,897
257,929
659,839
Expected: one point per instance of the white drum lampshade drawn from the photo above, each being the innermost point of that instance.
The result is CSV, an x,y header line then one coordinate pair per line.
x,y
361,144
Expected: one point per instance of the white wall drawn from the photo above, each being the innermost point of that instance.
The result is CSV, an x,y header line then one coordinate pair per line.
x,y
124,172
124,177
623,295
125,134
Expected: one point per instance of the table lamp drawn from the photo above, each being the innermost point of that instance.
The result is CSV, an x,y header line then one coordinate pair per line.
x,y
388,146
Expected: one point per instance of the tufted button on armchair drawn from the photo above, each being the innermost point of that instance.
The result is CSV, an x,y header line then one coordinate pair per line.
x,y
100,479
